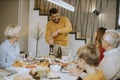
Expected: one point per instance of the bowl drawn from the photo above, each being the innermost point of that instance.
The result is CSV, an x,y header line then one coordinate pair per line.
x,y
55,67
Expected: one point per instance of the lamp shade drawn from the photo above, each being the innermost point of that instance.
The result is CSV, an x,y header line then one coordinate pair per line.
x,y
62,4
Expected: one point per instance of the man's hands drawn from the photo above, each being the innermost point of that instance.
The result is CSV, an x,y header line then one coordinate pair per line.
x,y
54,33
51,41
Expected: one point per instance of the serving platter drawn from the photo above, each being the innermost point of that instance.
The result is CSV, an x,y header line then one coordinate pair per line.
x,y
10,72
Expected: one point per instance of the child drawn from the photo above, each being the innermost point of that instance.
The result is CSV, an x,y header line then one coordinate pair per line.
x,y
88,55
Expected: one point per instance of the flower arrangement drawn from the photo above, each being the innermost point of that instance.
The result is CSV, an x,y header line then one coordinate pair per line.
x,y
37,35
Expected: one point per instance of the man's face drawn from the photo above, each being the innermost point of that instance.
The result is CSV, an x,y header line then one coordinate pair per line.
x,y
55,17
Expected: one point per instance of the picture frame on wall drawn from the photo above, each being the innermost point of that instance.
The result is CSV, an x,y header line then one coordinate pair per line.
x,y
79,37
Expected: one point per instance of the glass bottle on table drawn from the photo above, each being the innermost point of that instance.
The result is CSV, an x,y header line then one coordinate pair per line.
x,y
51,46
51,49
59,52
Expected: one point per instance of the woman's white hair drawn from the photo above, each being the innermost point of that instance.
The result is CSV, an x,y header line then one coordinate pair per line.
x,y
12,30
112,37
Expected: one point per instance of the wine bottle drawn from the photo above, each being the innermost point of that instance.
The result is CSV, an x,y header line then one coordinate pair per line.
x,y
59,52
51,49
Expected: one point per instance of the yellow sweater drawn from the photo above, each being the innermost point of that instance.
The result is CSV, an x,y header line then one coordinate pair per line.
x,y
97,76
64,27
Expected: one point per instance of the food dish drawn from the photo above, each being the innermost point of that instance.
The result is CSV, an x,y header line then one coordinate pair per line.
x,y
17,64
38,71
52,75
23,77
43,62
55,67
31,66
64,70
60,63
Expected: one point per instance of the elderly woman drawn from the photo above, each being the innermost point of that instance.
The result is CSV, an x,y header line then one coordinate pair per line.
x,y
110,64
9,49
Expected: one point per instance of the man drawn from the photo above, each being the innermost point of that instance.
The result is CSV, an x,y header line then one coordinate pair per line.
x,y
110,64
57,29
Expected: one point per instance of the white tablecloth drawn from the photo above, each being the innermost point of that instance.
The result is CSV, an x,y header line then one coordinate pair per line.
x,y
63,76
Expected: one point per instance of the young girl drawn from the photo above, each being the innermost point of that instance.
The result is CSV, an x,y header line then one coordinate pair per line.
x,y
98,43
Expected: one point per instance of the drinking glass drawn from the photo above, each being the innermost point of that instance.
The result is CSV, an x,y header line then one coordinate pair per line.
x,y
44,76
30,57
22,56
69,52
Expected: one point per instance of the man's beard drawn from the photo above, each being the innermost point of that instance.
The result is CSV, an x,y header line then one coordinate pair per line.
x,y
56,20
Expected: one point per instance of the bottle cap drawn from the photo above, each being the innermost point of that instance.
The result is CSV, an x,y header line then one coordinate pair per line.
x,y
51,45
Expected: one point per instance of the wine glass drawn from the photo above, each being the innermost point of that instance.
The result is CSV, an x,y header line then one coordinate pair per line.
x,y
22,56
44,76
30,57
69,52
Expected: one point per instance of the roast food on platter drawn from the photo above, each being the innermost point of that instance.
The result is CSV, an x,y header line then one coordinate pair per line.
x,y
17,64
52,75
23,77
30,66
60,63
43,62
38,71
74,62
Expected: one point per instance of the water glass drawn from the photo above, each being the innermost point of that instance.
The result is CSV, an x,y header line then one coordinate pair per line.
x,y
30,57
23,56
44,76
70,56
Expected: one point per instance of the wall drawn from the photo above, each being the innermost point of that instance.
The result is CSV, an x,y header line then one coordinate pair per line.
x,y
15,12
34,20
8,15
23,21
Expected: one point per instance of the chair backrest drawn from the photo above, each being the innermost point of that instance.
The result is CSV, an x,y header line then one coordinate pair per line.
x,y
74,43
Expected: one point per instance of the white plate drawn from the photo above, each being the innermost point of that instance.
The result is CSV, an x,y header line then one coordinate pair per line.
x,y
10,72
64,71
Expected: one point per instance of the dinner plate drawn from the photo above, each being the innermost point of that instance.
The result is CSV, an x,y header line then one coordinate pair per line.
x,y
64,70
10,72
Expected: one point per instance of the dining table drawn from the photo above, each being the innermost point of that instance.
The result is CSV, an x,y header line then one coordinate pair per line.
x,y
23,70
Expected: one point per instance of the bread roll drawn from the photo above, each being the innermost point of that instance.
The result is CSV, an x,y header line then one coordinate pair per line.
x,y
23,77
